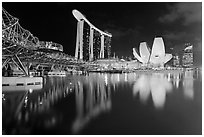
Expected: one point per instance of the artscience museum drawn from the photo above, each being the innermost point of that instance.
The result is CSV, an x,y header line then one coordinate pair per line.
x,y
157,57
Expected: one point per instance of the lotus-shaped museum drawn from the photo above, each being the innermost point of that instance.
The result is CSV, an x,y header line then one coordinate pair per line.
x,y
158,57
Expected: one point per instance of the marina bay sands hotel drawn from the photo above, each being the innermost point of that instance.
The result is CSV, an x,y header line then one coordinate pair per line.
x,y
91,42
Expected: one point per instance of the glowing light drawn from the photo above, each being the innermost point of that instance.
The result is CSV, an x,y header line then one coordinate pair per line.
x,y
155,84
106,79
188,85
3,97
30,90
177,83
169,77
125,77
118,76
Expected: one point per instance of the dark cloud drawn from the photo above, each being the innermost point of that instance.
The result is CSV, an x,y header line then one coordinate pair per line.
x,y
187,12
182,23
180,36
129,22
175,36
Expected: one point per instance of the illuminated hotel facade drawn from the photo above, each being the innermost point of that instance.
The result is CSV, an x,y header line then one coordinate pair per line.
x,y
91,43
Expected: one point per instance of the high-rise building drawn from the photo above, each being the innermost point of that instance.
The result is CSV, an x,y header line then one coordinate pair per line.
x,y
96,45
176,60
187,58
86,33
107,47
91,42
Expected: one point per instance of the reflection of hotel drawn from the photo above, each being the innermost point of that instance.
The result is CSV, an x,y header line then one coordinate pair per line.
x,y
91,101
92,96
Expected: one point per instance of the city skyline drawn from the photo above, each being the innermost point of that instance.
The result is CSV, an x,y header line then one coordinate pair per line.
x,y
129,23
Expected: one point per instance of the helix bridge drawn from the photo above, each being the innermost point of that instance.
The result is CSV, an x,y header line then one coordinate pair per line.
x,y
22,49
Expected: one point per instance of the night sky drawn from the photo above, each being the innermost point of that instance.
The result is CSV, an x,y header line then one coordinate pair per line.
x,y
129,22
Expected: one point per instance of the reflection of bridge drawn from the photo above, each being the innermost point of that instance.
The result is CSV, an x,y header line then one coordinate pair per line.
x,y
92,95
20,47
91,42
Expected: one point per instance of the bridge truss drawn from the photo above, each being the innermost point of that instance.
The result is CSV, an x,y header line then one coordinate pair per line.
x,y
20,47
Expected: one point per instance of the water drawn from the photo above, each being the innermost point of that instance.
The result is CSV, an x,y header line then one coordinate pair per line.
x,y
129,103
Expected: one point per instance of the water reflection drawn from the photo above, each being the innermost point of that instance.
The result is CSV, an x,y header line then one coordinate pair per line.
x,y
92,98
159,84
175,77
188,84
92,95
155,84
55,89
12,104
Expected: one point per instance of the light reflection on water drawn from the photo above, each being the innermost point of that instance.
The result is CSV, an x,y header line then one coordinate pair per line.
x,y
87,97
156,84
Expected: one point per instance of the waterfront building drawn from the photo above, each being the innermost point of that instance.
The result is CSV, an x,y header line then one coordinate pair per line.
x,y
96,45
176,60
91,42
187,58
157,58
107,47
117,64
144,53
86,41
